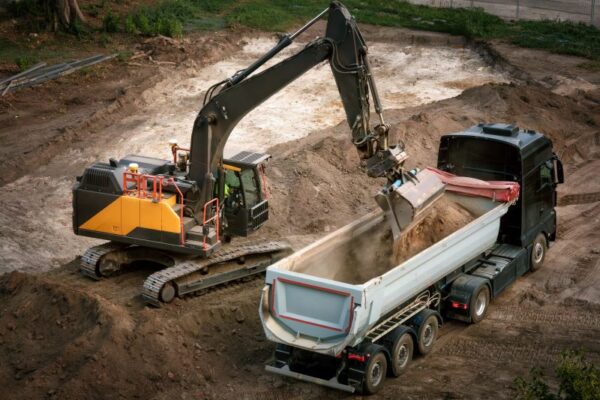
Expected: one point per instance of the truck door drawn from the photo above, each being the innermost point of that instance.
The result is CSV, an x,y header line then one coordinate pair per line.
x,y
539,201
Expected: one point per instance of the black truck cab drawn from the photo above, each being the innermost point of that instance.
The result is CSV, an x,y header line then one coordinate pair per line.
x,y
504,152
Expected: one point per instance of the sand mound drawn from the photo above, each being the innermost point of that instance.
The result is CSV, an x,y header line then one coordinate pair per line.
x,y
444,218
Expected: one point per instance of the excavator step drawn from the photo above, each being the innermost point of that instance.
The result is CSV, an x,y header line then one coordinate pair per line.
x,y
188,223
197,234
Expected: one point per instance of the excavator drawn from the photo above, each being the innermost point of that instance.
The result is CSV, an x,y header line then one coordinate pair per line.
x,y
181,213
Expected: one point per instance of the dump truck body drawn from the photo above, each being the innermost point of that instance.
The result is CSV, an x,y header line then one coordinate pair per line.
x,y
325,316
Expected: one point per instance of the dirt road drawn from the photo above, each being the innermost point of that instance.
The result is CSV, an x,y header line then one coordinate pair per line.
x,y
64,337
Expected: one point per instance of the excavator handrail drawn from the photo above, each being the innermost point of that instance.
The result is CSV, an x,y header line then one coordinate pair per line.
x,y
215,218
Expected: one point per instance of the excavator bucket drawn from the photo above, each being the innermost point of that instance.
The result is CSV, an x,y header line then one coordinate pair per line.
x,y
405,203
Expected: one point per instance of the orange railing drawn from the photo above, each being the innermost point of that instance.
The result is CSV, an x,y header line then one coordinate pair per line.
x,y
140,190
214,219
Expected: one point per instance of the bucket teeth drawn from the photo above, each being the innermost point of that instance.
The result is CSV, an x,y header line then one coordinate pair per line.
x,y
406,203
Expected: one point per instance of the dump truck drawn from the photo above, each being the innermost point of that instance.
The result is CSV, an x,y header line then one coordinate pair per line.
x,y
349,335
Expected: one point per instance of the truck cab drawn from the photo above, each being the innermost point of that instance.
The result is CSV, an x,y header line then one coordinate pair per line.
x,y
503,152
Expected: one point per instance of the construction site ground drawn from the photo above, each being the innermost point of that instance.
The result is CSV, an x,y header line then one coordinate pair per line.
x,y
66,337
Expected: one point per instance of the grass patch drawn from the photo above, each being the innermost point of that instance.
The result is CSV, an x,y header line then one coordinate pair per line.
x,y
283,15
173,17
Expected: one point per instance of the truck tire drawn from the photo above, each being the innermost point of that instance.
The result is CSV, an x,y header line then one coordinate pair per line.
x,y
427,334
538,252
402,353
480,300
375,373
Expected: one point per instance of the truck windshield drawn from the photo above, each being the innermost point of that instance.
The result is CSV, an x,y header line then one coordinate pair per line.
x,y
482,159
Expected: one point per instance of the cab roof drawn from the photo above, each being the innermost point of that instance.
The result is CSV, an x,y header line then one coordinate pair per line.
x,y
525,140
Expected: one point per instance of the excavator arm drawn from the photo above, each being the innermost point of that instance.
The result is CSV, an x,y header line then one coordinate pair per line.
x,y
227,102
230,100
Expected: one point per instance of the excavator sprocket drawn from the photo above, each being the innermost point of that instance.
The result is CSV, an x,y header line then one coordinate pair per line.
x,y
90,260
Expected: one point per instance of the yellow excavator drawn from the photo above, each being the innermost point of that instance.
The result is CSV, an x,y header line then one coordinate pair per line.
x,y
177,213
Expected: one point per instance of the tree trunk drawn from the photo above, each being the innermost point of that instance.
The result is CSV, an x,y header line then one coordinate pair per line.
x,y
67,12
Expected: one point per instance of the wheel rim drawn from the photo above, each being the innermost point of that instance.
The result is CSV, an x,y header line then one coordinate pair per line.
x,y
376,373
538,252
480,303
428,335
403,355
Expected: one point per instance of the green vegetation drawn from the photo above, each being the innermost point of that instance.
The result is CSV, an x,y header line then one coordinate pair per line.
x,y
111,23
169,16
578,378
24,62
173,17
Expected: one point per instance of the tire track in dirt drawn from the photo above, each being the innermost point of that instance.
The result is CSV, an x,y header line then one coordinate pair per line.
x,y
511,333
557,317
579,198
565,228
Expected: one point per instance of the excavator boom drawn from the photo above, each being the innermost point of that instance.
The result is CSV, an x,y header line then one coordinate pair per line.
x,y
343,46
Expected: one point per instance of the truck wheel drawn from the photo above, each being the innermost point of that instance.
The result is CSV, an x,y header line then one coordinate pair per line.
x,y
402,353
375,372
538,252
479,303
427,334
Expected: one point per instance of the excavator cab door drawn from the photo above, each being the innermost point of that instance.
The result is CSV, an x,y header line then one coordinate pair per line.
x,y
245,205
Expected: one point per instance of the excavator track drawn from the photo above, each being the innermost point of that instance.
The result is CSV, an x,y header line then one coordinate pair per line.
x,y
92,256
189,277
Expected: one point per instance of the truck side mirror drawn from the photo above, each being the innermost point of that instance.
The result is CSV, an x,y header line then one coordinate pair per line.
x,y
559,175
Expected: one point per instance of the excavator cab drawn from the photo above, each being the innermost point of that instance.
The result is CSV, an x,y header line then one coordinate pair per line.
x,y
244,199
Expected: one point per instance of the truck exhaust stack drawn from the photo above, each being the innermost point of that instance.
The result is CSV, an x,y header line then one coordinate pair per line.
x,y
405,203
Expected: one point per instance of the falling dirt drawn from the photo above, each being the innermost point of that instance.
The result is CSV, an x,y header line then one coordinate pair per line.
x,y
443,219
374,252
64,337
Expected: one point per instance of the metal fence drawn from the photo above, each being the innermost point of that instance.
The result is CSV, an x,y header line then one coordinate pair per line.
x,y
586,11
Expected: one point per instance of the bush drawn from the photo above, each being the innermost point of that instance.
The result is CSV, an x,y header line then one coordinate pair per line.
x,y
578,378
169,27
129,25
24,62
110,24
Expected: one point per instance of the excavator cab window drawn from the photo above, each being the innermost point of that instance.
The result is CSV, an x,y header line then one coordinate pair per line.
x,y
233,190
250,186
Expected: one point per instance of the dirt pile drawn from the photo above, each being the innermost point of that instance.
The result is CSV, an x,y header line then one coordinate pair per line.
x,y
375,253
441,220
57,342
317,185
371,250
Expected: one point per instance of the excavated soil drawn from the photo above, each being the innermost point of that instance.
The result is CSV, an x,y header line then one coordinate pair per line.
x,y
375,251
443,219
65,337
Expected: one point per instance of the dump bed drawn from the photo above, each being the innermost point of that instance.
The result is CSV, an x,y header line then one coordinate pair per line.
x,y
313,301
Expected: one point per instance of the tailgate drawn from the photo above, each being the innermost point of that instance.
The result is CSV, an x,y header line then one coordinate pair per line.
x,y
311,306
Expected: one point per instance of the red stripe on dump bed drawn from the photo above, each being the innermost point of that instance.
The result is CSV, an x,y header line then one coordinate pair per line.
x,y
313,287
338,292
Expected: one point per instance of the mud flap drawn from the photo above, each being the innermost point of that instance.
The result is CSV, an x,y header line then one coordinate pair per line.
x,y
405,203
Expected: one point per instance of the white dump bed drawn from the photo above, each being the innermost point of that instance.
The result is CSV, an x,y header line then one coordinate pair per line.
x,y
303,306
